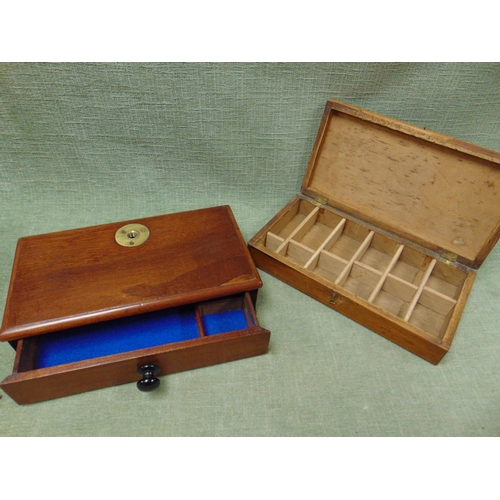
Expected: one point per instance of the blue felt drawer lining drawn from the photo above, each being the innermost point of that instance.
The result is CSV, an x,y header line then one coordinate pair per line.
x,y
129,334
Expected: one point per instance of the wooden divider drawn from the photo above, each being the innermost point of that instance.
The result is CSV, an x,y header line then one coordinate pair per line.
x,y
417,294
332,237
359,253
374,273
299,231
388,269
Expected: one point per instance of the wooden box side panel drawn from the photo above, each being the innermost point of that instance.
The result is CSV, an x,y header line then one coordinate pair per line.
x,y
457,312
396,331
259,238
49,383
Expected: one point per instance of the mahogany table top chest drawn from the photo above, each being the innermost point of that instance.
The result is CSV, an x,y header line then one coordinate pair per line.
x,y
390,226
106,305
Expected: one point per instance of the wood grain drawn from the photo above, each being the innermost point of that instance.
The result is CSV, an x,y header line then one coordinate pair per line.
x,y
428,200
55,382
412,292
396,330
82,276
428,188
27,384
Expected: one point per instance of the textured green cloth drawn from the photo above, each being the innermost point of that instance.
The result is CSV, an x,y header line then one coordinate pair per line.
x,y
84,144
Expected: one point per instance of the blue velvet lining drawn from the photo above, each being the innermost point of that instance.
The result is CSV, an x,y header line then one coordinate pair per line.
x,y
226,321
117,336
129,334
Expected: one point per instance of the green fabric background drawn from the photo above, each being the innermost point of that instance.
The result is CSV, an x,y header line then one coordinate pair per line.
x,y
84,144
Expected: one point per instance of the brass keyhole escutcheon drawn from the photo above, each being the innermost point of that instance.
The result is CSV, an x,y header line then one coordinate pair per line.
x,y
132,235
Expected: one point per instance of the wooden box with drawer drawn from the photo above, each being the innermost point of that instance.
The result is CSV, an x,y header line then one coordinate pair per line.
x,y
106,305
390,225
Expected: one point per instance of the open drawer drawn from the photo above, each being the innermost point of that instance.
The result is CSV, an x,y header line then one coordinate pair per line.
x,y
113,352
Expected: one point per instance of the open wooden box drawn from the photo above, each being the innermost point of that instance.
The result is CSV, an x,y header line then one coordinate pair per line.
x,y
106,305
390,224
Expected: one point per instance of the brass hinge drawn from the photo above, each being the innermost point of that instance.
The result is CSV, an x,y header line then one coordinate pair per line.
x,y
449,258
321,200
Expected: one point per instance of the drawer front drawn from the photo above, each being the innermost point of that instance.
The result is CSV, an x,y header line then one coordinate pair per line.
x,y
112,353
58,381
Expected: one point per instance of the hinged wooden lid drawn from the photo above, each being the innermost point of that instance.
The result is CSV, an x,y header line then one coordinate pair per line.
x,y
82,276
435,191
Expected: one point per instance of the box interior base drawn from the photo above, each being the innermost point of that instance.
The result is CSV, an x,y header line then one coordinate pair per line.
x,y
399,280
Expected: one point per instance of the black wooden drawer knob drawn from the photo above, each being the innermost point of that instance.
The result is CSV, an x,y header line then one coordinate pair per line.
x,y
148,382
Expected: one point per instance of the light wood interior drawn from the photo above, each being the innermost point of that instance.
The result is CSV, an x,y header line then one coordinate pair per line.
x,y
398,279
431,194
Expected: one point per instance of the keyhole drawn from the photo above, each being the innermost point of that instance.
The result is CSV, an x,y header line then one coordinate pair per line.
x,y
132,234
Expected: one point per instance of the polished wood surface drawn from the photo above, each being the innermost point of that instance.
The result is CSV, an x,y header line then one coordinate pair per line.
x,y
29,384
58,381
82,276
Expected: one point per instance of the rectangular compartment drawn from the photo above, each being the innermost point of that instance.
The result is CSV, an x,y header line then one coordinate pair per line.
x,y
380,272
288,226
390,224
399,280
